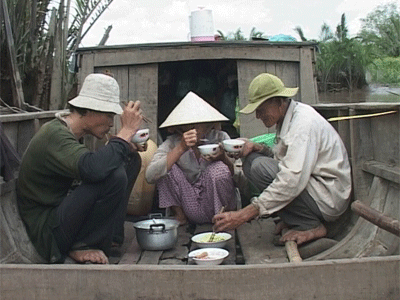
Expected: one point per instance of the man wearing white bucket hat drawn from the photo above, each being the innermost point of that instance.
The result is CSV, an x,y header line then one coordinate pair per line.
x,y
308,182
82,221
194,188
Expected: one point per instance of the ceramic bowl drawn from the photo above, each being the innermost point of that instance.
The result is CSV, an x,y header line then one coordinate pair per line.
x,y
209,256
141,136
233,145
209,149
220,239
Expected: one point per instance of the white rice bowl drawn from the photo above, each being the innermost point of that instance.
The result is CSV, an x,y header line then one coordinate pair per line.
x,y
214,256
220,239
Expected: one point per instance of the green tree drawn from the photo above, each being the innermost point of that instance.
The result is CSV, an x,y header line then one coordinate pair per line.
x,y
300,32
256,34
341,61
381,29
238,35
42,40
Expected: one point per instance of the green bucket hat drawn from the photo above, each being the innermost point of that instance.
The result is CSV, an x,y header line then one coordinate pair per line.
x,y
264,87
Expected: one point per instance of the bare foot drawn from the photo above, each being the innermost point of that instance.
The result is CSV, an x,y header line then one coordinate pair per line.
x,y
179,215
91,255
279,227
301,237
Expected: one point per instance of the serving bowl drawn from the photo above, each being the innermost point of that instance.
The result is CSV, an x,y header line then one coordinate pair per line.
x,y
209,256
141,136
209,149
233,145
219,241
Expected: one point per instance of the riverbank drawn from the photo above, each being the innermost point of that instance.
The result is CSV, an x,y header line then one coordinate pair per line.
x,y
370,93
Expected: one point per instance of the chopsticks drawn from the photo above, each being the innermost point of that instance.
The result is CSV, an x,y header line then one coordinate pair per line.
x,y
213,233
147,120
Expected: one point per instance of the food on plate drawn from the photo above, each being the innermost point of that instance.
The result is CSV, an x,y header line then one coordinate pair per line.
x,y
202,255
206,238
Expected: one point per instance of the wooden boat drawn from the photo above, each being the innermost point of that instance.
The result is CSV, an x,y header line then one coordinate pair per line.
x,y
362,263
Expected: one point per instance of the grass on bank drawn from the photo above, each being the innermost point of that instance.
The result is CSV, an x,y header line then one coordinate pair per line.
x,y
385,71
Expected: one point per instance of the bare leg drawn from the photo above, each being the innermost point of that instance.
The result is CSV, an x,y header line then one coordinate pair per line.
x,y
301,237
179,215
91,255
279,227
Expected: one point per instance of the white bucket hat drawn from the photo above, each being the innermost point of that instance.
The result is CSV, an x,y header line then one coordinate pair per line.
x,y
192,109
99,92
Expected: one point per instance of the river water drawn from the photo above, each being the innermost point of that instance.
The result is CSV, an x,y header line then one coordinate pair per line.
x,y
371,93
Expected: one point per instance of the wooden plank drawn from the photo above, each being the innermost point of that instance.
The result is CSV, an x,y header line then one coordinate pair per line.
x,y
150,257
28,116
86,67
288,72
386,137
178,255
143,86
369,278
135,55
307,87
256,242
361,150
391,173
130,248
247,71
391,242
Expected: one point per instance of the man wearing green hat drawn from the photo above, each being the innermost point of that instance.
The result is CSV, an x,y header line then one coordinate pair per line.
x,y
306,179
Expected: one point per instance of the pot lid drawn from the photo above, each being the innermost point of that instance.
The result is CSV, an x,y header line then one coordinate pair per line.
x,y
168,224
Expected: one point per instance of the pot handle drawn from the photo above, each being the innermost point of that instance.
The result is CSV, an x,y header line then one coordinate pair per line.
x,y
157,225
155,215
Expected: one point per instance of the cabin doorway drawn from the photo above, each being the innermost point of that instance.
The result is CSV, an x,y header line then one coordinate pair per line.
x,y
215,81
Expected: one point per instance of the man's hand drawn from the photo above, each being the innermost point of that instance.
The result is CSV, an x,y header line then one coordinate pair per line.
x,y
131,119
233,219
140,147
227,221
248,147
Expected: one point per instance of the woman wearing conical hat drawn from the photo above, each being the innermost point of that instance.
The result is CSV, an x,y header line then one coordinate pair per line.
x,y
194,187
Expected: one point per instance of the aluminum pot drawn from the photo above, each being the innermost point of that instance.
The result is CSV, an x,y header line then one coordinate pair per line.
x,y
157,233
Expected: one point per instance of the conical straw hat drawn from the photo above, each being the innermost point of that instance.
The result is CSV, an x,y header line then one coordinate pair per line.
x,y
192,109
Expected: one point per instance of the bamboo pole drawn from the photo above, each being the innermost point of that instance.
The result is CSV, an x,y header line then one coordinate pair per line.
x,y
362,116
18,93
292,250
376,217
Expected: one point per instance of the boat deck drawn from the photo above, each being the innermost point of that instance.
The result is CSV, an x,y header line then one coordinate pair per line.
x,y
252,243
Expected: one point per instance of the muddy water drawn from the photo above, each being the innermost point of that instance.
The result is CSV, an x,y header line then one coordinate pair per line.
x,y
371,93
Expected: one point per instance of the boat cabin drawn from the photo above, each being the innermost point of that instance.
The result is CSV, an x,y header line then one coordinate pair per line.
x,y
160,75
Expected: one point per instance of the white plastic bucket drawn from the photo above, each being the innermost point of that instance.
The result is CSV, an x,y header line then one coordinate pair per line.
x,y
201,25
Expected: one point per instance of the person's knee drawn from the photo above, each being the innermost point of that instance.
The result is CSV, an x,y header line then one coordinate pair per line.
x,y
220,172
117,179
247,163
